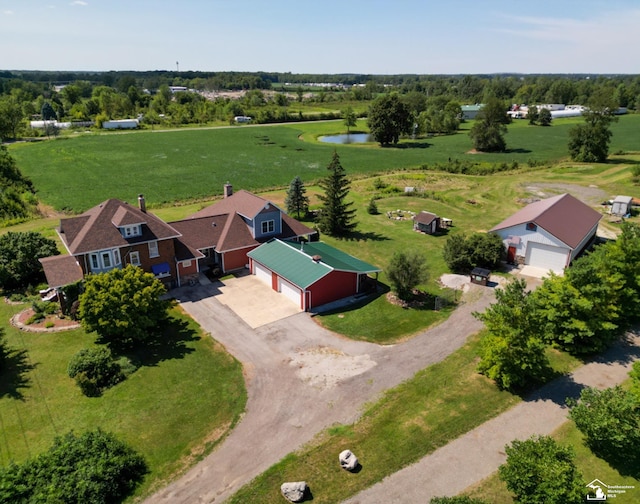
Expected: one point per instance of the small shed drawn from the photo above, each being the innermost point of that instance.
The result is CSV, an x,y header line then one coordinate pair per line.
x,y
621,205
480,276
426,222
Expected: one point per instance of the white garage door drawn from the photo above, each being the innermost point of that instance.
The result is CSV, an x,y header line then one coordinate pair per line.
x,y
547,257
289,290
262,273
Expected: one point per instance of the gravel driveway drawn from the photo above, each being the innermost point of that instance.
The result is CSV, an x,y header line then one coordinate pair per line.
x,y
301,379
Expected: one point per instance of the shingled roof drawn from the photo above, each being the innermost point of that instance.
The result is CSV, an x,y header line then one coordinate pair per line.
x,y
563,216
221,224
97,228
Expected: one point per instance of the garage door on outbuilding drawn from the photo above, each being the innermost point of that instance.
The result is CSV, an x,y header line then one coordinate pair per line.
x,y
547,257
263,273
290,291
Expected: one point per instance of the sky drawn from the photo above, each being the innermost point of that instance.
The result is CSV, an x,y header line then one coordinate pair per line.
x,y
327,36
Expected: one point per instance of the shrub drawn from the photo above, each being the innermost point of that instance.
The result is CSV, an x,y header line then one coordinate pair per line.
x,y
94,370
94,467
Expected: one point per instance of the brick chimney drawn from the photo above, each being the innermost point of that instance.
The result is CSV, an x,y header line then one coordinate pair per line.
x,y
228,190
141,203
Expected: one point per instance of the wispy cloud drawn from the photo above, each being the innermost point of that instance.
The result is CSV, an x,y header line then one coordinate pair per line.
x,y
8,12
79,2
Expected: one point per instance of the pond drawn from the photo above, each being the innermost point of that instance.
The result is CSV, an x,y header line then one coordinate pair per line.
x,y
347,138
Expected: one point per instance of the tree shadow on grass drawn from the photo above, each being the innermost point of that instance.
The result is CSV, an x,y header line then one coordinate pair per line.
x,y
14,374
365,236
169,341
361,301
411,145
517,151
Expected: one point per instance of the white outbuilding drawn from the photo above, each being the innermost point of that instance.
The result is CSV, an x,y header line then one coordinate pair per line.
x,y
549,233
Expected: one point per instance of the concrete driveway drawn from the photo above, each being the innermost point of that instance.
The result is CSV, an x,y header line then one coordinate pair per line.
x,y
253,301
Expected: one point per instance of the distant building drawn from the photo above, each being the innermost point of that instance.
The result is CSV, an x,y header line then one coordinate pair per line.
x,y
471,111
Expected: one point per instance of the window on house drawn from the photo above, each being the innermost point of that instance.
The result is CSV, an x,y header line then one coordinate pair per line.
x,y
531,226
116,257
130,231
135,258
268,226
95,264
186,264
106,259
153,249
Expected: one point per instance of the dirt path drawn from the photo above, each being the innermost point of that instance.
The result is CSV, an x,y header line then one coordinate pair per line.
x,y
301,379
477,454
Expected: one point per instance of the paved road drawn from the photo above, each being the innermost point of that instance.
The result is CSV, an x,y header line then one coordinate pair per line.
x,y
291,395
477,454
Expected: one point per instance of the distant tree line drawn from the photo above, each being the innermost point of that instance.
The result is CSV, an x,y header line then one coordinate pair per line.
x,y
432,100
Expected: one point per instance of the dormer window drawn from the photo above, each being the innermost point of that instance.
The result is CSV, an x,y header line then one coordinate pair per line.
x,y
131,231
531,226
268,226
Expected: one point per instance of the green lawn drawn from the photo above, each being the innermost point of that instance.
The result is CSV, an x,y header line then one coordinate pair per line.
x,y
76,173
173,409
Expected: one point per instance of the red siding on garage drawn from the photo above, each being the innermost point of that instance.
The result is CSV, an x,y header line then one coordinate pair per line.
x,y
236,259
336,285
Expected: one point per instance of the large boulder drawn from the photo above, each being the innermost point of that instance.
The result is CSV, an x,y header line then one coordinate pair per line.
x,y
294,491
348,460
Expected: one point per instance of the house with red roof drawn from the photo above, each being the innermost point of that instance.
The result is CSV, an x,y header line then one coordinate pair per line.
x,y
227,230
115,233
549,233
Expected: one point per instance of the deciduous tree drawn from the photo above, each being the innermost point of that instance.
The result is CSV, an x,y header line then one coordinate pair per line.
x,y
540,470
19,254
336,215
123,305
388,118
490,127
589,142
406,270
545,117
463,253
349,118
609,419
92,467
512,353
297,201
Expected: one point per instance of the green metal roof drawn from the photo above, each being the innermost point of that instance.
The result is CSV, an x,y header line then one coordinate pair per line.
x,y
335,258
294,261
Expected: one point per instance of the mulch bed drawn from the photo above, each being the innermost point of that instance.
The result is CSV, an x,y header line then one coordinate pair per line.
x,y
419,299
59,324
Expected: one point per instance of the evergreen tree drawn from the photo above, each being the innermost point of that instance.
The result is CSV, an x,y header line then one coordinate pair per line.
x,y
336,216
297,201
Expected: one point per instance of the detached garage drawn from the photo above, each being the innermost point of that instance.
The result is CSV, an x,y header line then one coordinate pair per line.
x,y
549,233
310,274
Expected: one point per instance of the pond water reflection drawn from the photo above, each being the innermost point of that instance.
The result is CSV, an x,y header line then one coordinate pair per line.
x,y
347,138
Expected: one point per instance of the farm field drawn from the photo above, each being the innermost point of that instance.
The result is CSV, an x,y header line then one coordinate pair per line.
x,y
75,173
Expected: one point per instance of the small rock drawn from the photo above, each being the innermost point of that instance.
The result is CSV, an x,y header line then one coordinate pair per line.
x,y
348,460
294,491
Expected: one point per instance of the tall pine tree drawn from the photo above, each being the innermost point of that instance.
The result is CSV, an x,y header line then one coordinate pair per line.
x,y
296,200
336,217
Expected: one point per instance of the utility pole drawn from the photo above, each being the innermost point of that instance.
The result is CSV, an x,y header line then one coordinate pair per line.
x,y
177,67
